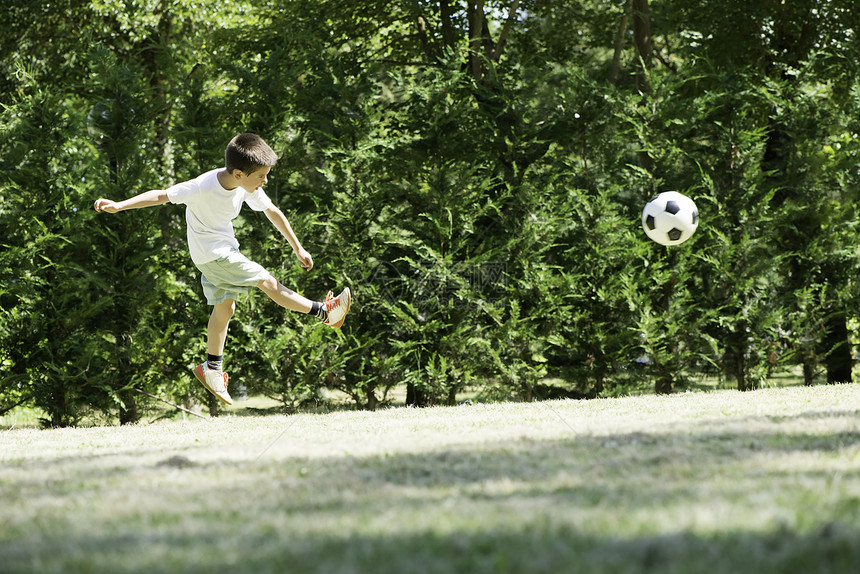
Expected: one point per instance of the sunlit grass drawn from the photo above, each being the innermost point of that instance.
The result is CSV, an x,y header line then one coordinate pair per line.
x,y
765,481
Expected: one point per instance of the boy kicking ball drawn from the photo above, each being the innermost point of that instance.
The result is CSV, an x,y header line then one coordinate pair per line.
x,y
213,200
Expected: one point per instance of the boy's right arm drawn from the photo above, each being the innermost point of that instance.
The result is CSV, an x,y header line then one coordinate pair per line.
x,y
145,199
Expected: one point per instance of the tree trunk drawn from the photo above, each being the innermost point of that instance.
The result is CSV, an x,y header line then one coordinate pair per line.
x,y
740,373
449,33
213,403
476,27
415,397
838,349
738,348
664,384
128,413
808,371
599,381
372,400
452,396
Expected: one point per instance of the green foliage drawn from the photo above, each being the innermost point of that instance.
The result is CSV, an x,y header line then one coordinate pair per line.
x,y
43,321
475,176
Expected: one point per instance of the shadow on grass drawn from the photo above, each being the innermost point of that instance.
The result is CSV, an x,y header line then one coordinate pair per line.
x,y
538,548
545,548
258,412
627,502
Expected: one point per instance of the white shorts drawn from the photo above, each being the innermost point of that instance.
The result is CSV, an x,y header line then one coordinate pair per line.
x,y
229,277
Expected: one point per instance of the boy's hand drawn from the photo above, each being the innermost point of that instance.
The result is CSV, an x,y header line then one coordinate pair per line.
x,y
102,204
305,258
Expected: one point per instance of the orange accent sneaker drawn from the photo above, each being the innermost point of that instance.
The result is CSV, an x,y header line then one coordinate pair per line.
x,y
215,381
337,307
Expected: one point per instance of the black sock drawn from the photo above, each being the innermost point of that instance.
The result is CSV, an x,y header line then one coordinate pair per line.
x,y
318,310
214,361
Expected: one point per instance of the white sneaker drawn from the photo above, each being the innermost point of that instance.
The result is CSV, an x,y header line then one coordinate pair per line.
x,y
214,381
337,307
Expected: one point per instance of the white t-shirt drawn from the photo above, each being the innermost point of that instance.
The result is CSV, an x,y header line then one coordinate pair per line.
x,y
210,212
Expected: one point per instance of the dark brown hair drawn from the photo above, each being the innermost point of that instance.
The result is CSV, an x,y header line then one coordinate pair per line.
x,y
248,153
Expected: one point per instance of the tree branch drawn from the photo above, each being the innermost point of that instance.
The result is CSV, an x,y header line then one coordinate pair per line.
x,y
424,31
642,40
503,38
8,408
619,43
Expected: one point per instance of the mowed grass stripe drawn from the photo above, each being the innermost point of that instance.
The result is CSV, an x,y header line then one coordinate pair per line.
x,y
719,482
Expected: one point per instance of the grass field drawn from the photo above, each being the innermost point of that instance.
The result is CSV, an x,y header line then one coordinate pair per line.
x,y
766,481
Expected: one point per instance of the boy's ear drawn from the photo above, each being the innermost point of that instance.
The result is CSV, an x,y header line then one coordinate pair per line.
x,y
237,173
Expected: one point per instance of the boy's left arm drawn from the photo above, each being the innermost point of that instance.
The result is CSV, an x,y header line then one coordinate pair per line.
x,y
279,220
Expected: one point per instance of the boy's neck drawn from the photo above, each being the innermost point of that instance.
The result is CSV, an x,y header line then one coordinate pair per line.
x,y
227,181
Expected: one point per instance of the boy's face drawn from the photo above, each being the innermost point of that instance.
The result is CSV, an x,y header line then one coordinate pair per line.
x,y
250,182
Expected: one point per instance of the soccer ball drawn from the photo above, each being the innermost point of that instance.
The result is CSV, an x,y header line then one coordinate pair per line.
x,y
670,218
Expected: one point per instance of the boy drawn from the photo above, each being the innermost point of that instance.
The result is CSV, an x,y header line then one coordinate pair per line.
x,y
212,201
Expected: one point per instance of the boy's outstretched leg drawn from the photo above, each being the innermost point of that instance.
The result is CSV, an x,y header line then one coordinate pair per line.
x,y
284,297
332,311
209,373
